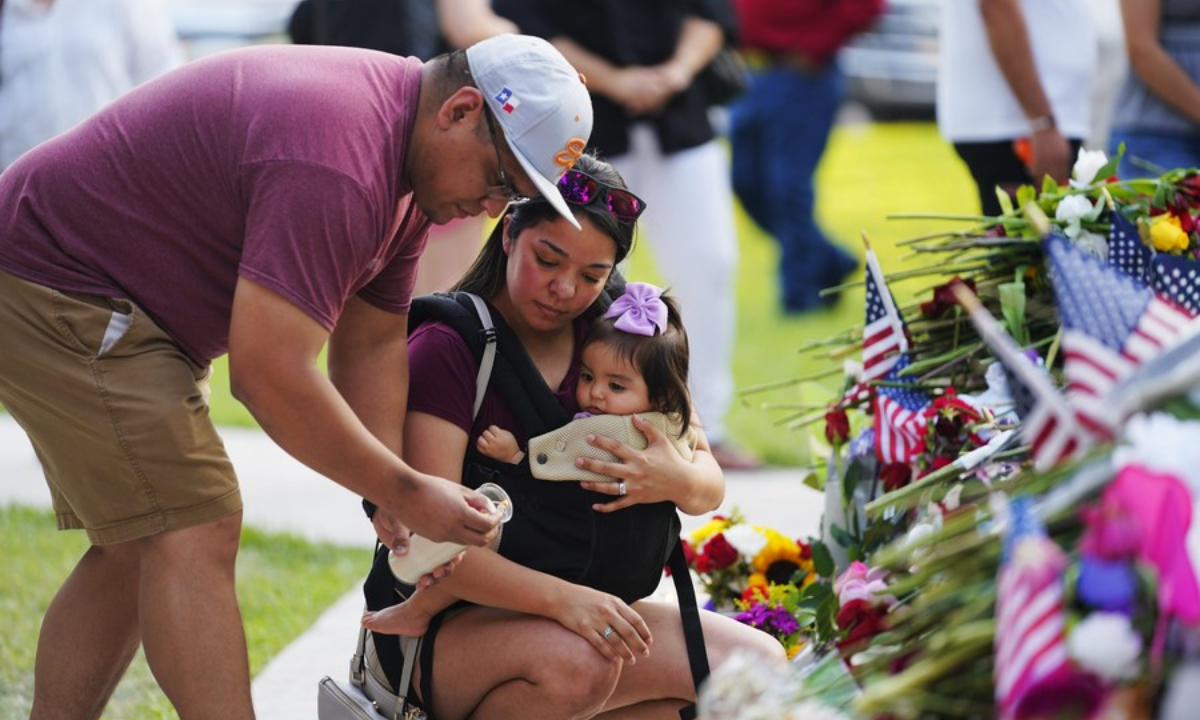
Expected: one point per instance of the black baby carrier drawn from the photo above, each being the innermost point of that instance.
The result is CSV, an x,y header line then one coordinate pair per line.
x,y
553,528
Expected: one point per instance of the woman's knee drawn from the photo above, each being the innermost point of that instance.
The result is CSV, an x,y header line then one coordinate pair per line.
x,y
732,637
576,677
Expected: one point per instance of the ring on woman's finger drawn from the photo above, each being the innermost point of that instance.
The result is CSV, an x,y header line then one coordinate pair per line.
x,y
622,488
608,631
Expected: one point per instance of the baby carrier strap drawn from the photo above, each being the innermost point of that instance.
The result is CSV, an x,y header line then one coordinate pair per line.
x,y
503,359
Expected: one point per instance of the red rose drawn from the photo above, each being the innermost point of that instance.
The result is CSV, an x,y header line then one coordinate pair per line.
x,y
689,553
895,476
938,462
805,550
943,298
837,427
719,553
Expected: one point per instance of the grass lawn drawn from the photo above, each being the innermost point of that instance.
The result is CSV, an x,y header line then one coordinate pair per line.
x,y
284,583
869,171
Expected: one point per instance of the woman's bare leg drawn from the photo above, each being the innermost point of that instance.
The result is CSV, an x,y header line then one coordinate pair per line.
x,y
661,684
494,664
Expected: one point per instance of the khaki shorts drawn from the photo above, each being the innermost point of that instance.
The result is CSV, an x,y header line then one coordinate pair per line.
x,y
117,414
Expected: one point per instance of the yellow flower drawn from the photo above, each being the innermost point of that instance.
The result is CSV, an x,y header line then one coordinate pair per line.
x,y
708,529
1166,233
757,579
780,548
794,650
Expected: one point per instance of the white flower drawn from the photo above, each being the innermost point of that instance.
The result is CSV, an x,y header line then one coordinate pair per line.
x,y
953,498
1106,644
1086,167
1093,244
852,369
1164,444
1073,210
746,540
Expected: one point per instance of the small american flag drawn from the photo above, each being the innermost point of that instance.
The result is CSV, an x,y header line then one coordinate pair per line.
x,y
1048,423
1111,324
883,336
1031,653
1173,277
901,417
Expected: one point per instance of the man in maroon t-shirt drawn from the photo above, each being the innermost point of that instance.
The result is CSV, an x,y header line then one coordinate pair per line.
x,y
261,203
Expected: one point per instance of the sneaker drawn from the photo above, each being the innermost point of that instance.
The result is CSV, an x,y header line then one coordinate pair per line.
x,y
730,458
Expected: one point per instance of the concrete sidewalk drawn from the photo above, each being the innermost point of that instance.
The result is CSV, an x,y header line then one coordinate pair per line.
x,y
280,494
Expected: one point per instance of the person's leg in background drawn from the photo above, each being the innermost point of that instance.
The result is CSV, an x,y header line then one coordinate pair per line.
x,y
1149,153
809,260
449,252
995,164
689,225
749,128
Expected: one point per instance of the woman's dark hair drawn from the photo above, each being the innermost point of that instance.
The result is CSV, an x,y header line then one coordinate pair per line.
x,y
486,276
662,359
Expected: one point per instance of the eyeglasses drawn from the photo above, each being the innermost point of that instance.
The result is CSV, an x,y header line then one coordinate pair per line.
x,y
579,188
505,191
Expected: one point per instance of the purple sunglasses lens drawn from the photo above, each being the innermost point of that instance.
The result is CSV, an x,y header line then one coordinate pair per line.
x,y
626,206
582,189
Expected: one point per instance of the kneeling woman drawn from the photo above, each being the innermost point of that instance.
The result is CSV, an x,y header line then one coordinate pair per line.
x,y
536,645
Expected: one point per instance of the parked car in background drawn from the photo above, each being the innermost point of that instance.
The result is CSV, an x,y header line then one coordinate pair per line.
x,y
892,68
208,26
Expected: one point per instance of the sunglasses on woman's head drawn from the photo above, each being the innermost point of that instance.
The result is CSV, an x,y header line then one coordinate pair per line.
x,y
579,188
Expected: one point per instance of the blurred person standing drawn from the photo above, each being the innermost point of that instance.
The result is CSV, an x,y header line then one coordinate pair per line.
x,y
1158,110
779,129
62,60
641,59
411,28
1112,63
1014,84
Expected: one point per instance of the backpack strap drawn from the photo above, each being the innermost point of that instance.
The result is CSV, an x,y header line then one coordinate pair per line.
x,y
502,357
693,631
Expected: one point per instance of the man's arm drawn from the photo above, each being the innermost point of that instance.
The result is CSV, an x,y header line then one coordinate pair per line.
x,y
1008,36
368,364
273,371
1151,62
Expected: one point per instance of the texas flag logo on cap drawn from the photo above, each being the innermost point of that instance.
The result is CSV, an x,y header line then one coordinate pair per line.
x,y
508,102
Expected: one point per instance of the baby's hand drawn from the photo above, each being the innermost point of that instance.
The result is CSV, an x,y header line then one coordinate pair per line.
x,y
499,444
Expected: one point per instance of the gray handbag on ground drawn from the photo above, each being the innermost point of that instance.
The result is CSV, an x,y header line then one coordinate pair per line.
x,y
366,697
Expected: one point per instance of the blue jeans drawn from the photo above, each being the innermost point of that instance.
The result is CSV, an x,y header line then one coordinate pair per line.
x,y
1165,150
779,129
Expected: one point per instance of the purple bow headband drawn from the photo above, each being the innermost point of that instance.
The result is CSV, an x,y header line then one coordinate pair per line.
x,y
640,310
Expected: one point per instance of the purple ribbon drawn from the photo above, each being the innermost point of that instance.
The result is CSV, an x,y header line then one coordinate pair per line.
x,y
639,311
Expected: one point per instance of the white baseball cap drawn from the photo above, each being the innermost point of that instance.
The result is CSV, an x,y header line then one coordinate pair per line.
x,y
541,104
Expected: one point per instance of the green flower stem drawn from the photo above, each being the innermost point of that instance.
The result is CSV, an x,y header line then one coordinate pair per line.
x,y
879,695
903,498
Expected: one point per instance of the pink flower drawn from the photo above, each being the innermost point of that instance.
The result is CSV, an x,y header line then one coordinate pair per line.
x,y
861,582
1112,532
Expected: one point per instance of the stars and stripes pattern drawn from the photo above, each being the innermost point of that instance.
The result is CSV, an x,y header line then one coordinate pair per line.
x,y
1111,324
1030,640
1126,251
1048,423
883,336
901,416
1173,277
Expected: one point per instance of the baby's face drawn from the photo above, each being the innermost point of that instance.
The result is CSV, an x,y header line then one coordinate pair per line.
x,y
610,385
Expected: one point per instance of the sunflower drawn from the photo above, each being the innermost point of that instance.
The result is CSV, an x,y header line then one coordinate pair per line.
x,y
780,559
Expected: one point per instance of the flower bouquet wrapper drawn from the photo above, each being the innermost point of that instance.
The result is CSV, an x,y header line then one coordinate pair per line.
x,y
813,686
